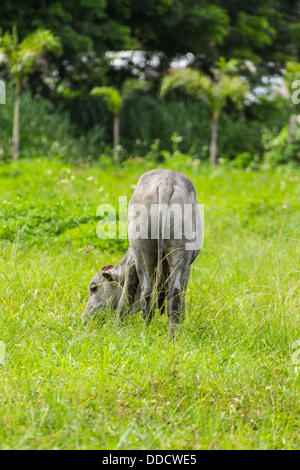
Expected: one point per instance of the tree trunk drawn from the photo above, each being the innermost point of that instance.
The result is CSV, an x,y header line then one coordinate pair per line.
x,y
16,124
213,149
116,138
293,124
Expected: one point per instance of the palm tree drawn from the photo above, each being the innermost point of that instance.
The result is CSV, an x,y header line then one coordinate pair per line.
x,y
2,92
215,90
114,101
21,59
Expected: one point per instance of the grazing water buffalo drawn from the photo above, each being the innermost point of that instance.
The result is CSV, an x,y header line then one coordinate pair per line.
x,y
165,234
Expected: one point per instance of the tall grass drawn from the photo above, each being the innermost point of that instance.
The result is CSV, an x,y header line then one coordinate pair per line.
x,y
146,118
228,380
84,132
47,130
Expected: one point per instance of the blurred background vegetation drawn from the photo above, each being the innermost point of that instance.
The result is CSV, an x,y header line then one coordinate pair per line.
x,y
105,46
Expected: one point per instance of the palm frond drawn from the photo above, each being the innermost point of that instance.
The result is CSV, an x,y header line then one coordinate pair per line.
x,y
193,82
24,56
30,50
111,97
231,87
7,45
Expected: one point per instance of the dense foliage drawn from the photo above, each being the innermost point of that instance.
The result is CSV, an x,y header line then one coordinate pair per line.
x,y
261,35
260,29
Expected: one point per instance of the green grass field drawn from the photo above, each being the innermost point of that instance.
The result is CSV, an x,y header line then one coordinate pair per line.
x,y
228,381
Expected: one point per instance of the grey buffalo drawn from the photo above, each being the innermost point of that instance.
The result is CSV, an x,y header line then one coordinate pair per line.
x,y
165,234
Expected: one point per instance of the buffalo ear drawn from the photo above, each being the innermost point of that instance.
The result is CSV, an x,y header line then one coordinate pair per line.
x,y
108,275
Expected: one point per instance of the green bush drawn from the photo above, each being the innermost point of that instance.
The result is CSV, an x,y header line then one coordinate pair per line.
x,y
46,130
243,160
281,149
